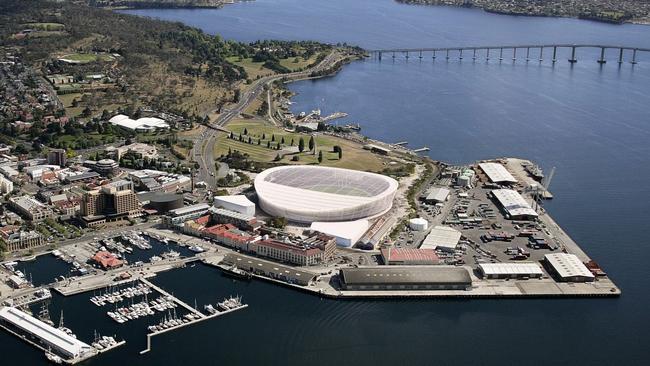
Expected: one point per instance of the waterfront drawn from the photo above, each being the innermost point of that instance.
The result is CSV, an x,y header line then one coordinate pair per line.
x,y
592,125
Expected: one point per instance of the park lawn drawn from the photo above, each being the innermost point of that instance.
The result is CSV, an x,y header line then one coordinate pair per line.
x,y
67,99
87,57
255,105
253,69
354,156
291,64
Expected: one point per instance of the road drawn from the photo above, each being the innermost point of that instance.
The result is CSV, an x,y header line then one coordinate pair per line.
x,y
203,150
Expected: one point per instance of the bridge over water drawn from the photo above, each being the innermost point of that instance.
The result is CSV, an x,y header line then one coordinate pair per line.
x,y
526,52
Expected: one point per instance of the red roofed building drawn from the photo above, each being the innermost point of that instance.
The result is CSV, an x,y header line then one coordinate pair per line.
x,y
107,260
404,256
230,235
313,250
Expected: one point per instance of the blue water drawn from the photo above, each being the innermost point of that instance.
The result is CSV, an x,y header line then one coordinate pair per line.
x,y
589,122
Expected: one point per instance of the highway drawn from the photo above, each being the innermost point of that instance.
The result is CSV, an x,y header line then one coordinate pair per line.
x,y
203,150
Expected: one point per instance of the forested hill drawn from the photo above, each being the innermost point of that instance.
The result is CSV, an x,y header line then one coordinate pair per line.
x,y
612,11
156,3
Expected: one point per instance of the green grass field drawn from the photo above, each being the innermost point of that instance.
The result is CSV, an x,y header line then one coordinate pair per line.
x,y
354,156
85,58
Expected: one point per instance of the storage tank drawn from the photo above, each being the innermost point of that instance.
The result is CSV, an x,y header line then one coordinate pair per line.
x,y
418,224
464,181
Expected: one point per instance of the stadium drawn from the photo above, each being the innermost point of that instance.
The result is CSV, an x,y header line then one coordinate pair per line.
x,y
307,193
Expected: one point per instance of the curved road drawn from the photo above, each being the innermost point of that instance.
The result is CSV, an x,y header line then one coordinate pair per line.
x,y
203,152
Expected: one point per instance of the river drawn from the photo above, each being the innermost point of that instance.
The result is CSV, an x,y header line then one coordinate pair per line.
x,y
590,122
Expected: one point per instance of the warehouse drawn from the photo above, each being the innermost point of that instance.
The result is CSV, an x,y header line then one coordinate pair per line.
x,y
442,238
519,270
269,269
347,233
497,173
43,334
568,267
238,203
437,195
380,278
410,257
514,205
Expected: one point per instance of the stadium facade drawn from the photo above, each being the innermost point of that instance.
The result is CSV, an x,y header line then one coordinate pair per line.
x,y
307,193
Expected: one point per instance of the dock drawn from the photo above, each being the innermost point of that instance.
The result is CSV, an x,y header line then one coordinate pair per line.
x,y
203,318
422,149
401,143
175,299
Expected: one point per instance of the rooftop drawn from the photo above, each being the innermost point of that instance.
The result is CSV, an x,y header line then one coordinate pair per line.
x,y
497,173
406,275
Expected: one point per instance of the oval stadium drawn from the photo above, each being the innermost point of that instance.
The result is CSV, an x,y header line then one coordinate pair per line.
x,y
308,193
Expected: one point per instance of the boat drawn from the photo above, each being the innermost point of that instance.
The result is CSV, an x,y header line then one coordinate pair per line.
x,y
53,358
196,249
237,273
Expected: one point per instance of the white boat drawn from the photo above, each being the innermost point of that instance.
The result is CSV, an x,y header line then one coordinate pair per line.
x,y
196,249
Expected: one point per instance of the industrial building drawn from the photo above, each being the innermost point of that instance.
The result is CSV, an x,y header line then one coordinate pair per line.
x,y
269,269
238,203
519,270
437,195
6,186
568,268
513,204
42,334
441,238
497,173
155,180
223,216
309,193
408,256
180,215
380,278
230,236
347,233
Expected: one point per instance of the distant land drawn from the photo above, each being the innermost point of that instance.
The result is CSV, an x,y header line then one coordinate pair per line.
x,y
610,11
134,4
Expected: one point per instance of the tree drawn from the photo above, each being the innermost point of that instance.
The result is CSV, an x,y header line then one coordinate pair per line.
x,y
301,145
277,157
282,141
263,136
340,153
245,131
273,138
311,143
268,144
320,156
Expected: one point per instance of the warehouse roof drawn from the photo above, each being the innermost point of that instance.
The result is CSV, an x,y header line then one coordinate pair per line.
x,y
44,331
409,255
568,265
441,237
406,275
189,209
497,173
438,194
519,268
513,203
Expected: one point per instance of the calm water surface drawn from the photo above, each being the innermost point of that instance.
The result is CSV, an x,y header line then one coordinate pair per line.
x,y
592,123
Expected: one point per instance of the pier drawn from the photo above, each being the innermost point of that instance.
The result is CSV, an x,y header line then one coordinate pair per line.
x,y
477,51
422,149
203,318
174,298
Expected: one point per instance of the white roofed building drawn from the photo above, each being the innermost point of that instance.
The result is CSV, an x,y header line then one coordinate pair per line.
x,y
568,267
238,203
442,238
141,124
347,233
517,270
514,205
497,173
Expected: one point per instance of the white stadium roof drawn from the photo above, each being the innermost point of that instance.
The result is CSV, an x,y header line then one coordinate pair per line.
x,y
146,123
497,173
568,265
519,268
513,203
310,193
441,237
238,199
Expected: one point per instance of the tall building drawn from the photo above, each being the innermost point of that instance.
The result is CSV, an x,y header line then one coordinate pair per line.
x,y
111,202
56,157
